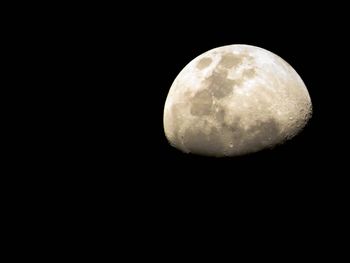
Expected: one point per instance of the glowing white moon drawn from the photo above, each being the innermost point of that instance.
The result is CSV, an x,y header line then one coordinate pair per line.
x,y
235,100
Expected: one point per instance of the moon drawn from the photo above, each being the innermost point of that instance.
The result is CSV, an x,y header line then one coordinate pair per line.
x,y
235,100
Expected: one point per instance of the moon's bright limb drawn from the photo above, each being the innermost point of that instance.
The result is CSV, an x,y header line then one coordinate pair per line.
x,y
235,100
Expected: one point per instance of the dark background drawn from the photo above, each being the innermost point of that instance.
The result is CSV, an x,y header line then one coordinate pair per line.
x,y
99,161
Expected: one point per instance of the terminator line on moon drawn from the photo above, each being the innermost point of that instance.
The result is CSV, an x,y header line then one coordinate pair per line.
x,y
234,100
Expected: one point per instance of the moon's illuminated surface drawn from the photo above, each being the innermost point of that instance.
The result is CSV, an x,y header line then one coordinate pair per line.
x,y
235,100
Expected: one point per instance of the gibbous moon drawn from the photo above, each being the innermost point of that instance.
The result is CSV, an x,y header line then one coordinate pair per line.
x,y
234,100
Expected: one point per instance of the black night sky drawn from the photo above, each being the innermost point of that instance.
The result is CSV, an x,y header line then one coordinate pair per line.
x,y
116,172
97,169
